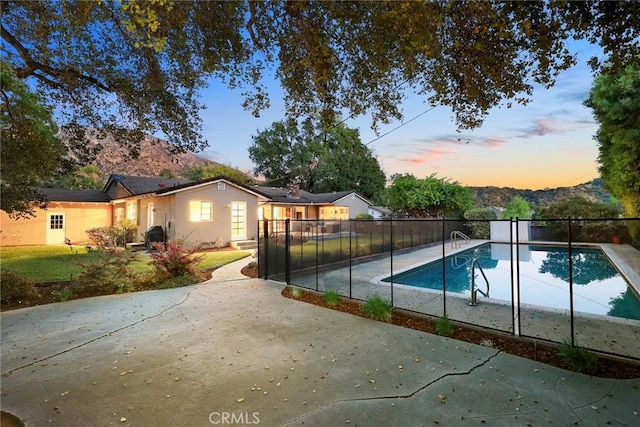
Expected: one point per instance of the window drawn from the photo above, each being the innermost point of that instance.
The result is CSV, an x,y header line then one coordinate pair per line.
x,y
200,210
221,186
56,222
132,211
119,214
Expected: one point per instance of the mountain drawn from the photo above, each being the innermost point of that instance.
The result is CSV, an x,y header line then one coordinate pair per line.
x,y
157,157
485,197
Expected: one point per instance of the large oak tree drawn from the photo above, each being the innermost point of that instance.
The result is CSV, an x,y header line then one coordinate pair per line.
x,y
137,67
317,158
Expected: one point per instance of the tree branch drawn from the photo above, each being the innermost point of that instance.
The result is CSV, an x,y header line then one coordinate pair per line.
x,y
250,24
31,65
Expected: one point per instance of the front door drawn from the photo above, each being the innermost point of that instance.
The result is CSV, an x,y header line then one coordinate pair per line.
x,y
238,220
55,228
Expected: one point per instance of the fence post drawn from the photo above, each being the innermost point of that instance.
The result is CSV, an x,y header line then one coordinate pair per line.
x,y
391,258
570,279
350,258
287,249
265,230
317,266
517,330
444,269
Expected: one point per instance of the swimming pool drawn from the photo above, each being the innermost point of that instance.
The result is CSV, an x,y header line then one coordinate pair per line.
x,y
598,287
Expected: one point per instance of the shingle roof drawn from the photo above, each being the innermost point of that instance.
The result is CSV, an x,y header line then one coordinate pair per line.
x,y
66,195
137,185
281,195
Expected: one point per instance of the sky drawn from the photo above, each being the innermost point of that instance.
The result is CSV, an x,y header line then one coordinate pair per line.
x,y
546,144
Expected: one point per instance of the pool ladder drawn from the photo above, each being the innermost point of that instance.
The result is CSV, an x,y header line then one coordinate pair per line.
x,y
474,289
454,239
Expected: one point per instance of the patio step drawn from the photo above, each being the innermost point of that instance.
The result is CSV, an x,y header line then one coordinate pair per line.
x,y
244,245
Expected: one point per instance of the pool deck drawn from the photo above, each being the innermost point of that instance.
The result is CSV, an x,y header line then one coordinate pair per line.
x,y
600,333
234,347
627,259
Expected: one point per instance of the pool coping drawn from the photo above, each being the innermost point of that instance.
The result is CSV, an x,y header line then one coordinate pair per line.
x,y
630,275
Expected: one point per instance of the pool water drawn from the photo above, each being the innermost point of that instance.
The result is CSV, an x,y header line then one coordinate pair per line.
x,y
598,288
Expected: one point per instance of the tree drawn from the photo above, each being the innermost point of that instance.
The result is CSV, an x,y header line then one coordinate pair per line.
x,y
30,150
615,100
153,56
211,171
318,158
136,67
127,68
581,208
346,163
578,207
429,197
480,229
517,208
287,153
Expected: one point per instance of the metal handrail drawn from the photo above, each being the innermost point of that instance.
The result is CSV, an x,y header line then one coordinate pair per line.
x,y
456,263
474,290
454,238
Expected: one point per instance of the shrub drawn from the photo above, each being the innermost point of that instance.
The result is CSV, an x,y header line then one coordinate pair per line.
x,y
179,281
444,327
109,272
378,308
331,297
14,287
297,292
173,259
63,295
128,231
486,342
364,216
480,229
105,237
579,358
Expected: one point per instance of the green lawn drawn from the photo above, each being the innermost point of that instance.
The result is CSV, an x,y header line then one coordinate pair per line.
x,y
46,263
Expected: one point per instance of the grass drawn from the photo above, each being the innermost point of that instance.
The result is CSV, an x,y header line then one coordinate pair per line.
x,y
297,292
444,327
49,263
486,343
579,358
331,297
378,308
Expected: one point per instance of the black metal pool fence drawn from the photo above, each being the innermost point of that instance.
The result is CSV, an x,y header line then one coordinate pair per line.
x,y
359,258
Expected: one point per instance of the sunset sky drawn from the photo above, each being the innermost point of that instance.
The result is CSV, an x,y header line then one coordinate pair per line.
x,y
545,144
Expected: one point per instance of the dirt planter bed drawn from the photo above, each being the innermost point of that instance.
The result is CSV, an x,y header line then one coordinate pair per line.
x,y
607,367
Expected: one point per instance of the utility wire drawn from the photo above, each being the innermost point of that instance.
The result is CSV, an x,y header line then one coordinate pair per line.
x,y
398,127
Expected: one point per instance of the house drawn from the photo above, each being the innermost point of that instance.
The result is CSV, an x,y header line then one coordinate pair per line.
x,y
215,211
380,212
292,203
69,214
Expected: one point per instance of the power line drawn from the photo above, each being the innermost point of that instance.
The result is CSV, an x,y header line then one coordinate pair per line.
x,y
398,127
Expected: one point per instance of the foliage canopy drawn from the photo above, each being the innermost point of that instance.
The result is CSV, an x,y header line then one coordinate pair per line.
x,y
317,158
139,64
518,207
30,150
429,197
137,67
615,100
217,170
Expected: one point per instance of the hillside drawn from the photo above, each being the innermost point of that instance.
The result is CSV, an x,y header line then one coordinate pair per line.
x,y
156,158
500,196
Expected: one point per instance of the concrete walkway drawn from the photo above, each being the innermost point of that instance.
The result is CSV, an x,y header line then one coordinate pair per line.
x,y
234,351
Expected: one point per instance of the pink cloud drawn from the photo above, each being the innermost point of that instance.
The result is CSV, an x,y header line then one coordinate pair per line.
x,y
546,126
